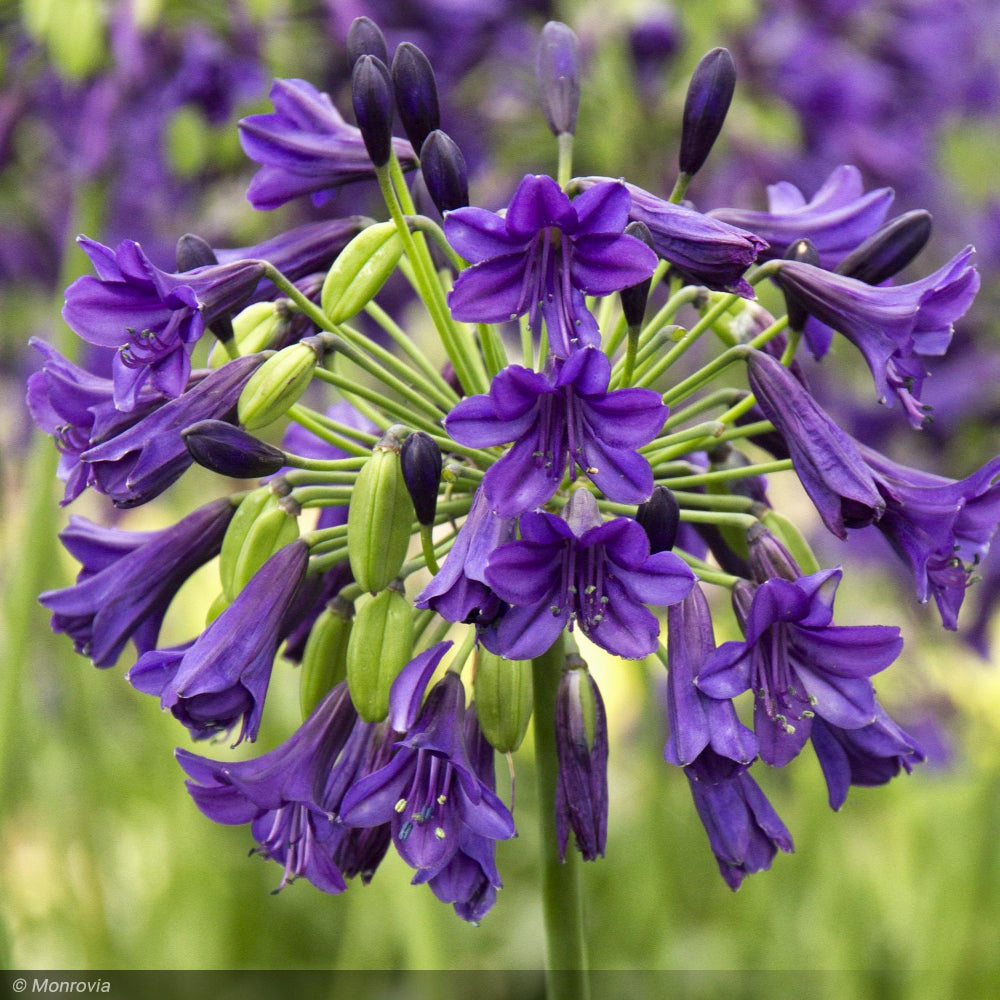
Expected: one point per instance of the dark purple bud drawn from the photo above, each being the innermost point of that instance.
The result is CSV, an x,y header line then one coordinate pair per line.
x,y
416,93
728,560
365,38
769,558
709,95
421,462
193,252
804,252
635,296
887,251
445,174
660,517
231,451
371,92
558,73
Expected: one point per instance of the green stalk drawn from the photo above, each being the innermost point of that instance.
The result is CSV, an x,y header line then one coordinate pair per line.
x,y
724,475
565,169
562,899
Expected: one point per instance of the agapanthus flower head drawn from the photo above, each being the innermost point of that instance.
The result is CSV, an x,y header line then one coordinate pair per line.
x,y
283,794
871,755
128,579
836,220
459,591
305,147
892,326
798,664
743,829
581,571
543,256
429,792
150,317
221,679
565,417
703,250
582,746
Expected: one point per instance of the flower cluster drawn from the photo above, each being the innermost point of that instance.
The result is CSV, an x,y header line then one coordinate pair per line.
x,y
565,485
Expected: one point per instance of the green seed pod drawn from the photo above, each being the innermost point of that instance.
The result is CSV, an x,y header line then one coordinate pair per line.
x,y
360,271
502,689
273,529
250,508
380,645
278,383
254,330
217,606
324,660
380,517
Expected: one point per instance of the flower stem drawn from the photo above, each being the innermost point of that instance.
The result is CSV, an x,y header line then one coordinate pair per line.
x,y
562,899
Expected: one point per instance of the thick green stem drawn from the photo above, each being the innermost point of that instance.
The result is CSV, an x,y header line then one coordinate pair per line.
x,y
562,898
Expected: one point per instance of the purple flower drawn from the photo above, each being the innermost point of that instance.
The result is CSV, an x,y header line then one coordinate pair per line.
x,y
77,408
892,326
797,663
283,793
543,256
872,755
223,676
470,879
151,317
743,829
128,579
305,147
699,724
568,416
141,461
703,250
940,527
581,570
582,746
826,458
459,591
429,792
839,217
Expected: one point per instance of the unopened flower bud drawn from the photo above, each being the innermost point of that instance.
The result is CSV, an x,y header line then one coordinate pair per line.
x,y
660,517
365,38
558,73
324,659
804,252
230,450
582,747
502,690
279,382
708,97
380,645
443,167
887,251
360,271
769,558
416,93
421,462
379,518
634,297
787,532
371,92
193,252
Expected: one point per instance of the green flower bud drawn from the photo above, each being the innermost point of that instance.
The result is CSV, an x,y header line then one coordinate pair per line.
x,y
380,645
277,385
248,544
790,536
255,329
324,660
502,689
380,517
360,271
